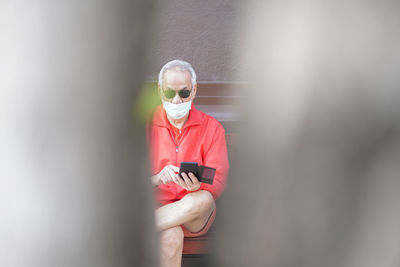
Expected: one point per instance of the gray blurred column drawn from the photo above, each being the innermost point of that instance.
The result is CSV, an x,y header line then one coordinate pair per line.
x,y
315,176
73,161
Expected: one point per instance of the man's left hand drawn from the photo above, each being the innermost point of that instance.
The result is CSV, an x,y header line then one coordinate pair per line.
x,y
190,183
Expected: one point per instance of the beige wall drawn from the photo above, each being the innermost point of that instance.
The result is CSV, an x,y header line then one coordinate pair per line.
x,y
201,32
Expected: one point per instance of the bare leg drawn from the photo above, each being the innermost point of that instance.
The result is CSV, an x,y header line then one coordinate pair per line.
x,y
171,241
193,211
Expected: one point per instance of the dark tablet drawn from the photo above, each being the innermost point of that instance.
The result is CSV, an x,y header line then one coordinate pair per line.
x,y
187,167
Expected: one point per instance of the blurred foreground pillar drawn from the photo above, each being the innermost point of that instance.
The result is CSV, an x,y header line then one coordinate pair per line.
x,y
73,163
315,176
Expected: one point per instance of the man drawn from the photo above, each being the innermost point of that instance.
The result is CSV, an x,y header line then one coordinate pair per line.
x,y
178,133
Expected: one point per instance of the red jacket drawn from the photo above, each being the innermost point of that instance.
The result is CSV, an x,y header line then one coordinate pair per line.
x,y
202,141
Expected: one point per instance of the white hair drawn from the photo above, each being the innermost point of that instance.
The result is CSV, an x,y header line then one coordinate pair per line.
x,y
177,65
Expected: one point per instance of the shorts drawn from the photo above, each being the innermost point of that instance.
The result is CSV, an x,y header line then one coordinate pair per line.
x,y
205,229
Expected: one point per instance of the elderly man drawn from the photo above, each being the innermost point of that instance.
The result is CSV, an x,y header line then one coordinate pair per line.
x,y
178,132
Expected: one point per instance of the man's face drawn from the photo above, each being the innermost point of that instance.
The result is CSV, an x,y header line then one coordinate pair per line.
x,y
178,81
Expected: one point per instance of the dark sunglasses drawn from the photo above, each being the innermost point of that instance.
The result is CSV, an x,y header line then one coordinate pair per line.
x,y
169,94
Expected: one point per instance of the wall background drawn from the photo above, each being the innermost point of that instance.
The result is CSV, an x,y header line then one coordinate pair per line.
x,y
200,32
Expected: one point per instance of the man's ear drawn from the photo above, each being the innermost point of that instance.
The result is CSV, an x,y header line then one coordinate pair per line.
x,y
194,90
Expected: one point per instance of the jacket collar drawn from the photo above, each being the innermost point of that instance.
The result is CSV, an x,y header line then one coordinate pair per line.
x,y
160,117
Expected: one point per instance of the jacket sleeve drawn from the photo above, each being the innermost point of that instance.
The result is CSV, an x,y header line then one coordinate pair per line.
x,y
217,157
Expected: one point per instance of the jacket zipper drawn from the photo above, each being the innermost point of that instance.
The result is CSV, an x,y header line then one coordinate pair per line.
x,y
176,145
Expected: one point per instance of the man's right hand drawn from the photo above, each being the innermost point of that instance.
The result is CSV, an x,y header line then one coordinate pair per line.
x,y
167,175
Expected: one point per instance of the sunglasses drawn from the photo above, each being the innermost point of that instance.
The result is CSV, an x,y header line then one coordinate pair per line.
x,y
169,94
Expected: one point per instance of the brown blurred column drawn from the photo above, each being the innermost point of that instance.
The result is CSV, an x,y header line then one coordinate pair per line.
x,y
73,162
315,176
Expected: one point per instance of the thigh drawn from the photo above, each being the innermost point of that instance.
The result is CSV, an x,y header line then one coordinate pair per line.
x,y
203,231
200,221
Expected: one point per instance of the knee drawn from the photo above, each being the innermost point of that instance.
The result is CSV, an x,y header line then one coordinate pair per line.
x,y
205,198
171,242
200,201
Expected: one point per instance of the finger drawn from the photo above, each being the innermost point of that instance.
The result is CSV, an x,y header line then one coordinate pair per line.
x,y
193,178
176,181
178,178
175,169
174,178
181,182
166,178
187,179
170,174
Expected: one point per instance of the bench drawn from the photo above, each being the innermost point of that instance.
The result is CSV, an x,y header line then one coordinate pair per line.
x,y
219,101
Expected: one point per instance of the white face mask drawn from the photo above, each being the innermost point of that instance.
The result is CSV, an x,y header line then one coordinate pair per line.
x,y
177,111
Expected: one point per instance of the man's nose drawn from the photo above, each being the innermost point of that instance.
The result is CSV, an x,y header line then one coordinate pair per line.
x,y
177,99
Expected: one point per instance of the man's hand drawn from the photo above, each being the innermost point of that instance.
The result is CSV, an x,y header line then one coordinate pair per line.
x,y
190,184
167,175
